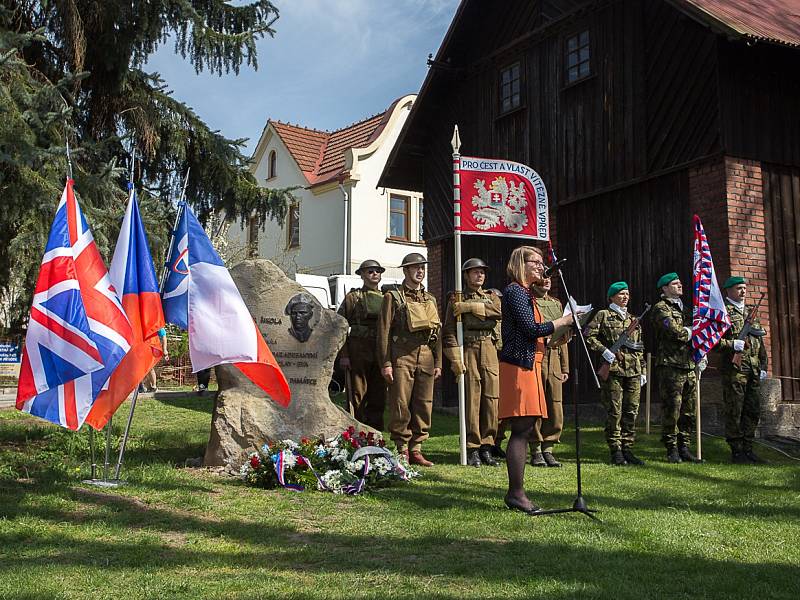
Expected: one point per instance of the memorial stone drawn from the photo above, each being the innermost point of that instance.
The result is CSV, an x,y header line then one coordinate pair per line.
x,y
304,337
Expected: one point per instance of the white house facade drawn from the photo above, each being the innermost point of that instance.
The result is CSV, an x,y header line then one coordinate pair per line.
x,y
341,217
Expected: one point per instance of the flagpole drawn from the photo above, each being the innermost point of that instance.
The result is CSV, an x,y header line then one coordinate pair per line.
x,y
161,284
462,422
698,423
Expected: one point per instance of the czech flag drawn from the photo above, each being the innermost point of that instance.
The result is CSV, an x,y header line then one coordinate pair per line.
x,y
201,297
134,277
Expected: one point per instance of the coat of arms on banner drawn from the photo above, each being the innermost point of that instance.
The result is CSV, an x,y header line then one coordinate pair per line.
x,y
503,198
502,204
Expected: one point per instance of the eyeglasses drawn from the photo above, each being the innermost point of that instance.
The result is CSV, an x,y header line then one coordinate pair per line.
x,y
372,271
535,262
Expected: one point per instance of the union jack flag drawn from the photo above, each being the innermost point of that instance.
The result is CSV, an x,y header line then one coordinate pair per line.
x,y
78,331
710,319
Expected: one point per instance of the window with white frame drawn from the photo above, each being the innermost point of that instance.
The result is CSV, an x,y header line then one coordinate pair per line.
x,y
399,217
272,169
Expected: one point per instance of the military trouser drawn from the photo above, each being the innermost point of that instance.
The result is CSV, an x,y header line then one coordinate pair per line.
x,y
677,389
368,385
548,431
410,396
620,397
741,403
481,387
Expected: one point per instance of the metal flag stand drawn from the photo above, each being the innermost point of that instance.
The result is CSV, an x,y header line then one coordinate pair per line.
x,y
579,504
462,420
105,481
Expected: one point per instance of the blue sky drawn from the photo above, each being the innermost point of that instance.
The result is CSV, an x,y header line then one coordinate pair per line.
x,y
331,63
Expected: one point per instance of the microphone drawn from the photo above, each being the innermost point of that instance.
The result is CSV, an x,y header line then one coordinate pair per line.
x,y
554,268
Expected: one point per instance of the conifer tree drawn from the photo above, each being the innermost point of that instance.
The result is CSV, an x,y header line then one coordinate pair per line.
x,y
75,70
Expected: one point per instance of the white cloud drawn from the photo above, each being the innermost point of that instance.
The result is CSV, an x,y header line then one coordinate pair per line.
x,y
331,62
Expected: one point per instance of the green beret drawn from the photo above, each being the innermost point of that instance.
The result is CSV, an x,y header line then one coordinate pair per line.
x,y
616,288
732,281
666,279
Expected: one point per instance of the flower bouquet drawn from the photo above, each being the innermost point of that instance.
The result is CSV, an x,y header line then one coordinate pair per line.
x,y
349,463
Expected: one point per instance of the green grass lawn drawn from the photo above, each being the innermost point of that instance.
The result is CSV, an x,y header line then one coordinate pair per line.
x,y
669,531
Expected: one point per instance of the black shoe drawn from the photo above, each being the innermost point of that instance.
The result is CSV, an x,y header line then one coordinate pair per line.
x,y
473,458
631,458
617,458
497,451
755,458
673,456
550,459
687,456
537,460
514,505
485,455
740,458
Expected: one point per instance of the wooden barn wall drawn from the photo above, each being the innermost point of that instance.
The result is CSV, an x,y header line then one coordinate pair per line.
x,y
650,104
782,215
760,102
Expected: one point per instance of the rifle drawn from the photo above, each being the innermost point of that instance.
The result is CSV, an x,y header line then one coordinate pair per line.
x,y
623,341
747,329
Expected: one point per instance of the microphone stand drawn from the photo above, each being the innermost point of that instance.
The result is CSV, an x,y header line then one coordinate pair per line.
x,y
579,505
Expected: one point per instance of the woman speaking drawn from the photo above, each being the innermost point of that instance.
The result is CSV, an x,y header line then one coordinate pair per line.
x,y
522,400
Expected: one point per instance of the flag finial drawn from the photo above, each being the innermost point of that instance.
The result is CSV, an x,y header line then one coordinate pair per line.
x,y
456,141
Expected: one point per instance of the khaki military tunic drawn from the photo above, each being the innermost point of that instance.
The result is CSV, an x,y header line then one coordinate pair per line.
x,y
554,365
620,393
741,386
481,380
362,308
675,374
413,356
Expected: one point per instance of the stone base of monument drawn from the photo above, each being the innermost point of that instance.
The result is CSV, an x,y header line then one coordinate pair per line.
x,y
305,339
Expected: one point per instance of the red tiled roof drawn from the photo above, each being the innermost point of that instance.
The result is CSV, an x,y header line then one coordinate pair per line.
x,y
776,21
320,154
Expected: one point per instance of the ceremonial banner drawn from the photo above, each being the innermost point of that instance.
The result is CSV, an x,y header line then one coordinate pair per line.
x,y
710,318
134,277
78,332
200,296
501,197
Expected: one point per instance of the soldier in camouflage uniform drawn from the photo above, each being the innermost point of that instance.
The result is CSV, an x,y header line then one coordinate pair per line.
x,y
409,350
741,385
675,369
627,374
555,372
362,307
480,312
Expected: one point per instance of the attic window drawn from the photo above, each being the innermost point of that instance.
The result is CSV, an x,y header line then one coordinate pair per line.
x,y
578,57
272,170
510,96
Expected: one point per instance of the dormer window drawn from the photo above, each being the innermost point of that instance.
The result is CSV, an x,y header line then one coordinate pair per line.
x,y
272,169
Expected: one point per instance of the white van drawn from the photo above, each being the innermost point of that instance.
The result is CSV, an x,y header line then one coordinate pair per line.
x,y
330,291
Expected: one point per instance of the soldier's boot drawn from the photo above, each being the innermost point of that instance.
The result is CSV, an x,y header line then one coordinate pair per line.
x,y
485,454
551,460
497,451
673,456
537,460
416,458
631,458
473,458
738,456
686,454
753,457
617,458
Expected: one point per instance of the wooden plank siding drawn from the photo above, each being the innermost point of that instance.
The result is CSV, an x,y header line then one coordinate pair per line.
x,y
782,215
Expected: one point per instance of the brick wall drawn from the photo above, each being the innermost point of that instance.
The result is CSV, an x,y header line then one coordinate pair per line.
x,y
727,194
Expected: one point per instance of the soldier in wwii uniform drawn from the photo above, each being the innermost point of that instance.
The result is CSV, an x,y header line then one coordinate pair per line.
x,y
741,384
409,349
619,393
675,368
555,372
362,307
480,312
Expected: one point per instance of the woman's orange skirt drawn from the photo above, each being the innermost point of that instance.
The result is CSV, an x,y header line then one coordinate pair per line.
x,y
521,391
